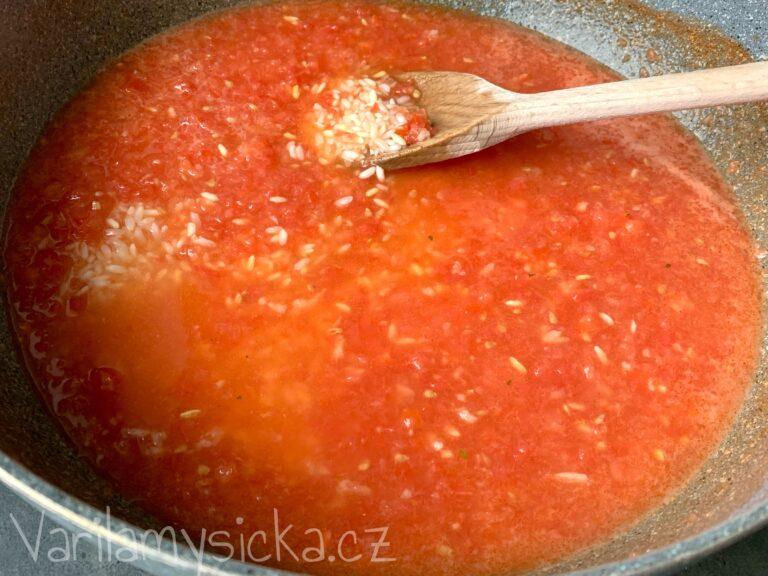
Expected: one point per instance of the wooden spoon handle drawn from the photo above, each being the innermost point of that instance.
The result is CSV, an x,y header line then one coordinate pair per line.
x,y
729,85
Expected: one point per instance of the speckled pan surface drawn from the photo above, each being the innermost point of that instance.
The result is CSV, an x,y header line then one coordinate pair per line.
x,y
49,49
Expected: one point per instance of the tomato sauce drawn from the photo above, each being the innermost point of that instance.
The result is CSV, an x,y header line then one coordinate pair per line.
x,y
502,358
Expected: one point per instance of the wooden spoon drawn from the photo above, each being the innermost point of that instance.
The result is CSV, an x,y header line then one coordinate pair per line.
x,y
469,113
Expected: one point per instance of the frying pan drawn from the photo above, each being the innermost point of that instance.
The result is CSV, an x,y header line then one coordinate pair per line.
x,y
48,49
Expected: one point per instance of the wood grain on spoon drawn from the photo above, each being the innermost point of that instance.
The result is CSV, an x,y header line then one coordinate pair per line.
x,y
469,113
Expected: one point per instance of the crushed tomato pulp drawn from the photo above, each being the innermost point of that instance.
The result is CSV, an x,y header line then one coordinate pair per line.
x,y
502,359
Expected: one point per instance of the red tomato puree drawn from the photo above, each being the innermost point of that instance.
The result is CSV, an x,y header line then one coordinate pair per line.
x,y
501,359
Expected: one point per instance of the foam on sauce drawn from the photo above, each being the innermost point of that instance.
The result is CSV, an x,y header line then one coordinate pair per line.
x,y
502,359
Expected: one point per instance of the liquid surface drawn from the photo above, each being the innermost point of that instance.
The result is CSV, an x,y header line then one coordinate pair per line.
x,y
502,359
